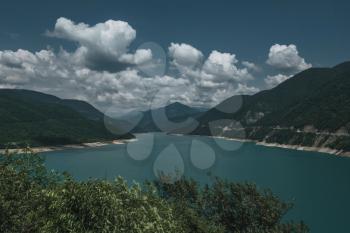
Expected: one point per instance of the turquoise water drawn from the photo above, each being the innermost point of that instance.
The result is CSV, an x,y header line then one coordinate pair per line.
x,y
318,184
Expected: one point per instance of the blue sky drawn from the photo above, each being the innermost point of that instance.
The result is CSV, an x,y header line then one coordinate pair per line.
x,y
319,28
318,31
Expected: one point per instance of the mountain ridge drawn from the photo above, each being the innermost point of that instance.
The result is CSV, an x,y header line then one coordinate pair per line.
x,y
306,110
39,119
162,119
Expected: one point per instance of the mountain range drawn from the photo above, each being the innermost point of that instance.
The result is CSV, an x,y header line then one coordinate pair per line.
x,y
164,119
311,109
38,119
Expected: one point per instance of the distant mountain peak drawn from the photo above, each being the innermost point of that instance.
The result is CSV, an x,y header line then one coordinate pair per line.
x,y
177,105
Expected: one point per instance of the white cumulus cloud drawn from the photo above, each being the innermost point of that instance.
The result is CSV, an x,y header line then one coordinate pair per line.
x,y
139,57
222,67
286,57
272,81
184,55
102,45
251,66
89,72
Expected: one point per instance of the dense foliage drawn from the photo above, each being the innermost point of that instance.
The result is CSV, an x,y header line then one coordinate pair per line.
x,y
33,199
234,206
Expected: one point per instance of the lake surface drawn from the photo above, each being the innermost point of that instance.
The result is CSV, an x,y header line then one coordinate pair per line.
x,y
318,184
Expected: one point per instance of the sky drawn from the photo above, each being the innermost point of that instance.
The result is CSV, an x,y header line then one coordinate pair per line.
x,y
130,55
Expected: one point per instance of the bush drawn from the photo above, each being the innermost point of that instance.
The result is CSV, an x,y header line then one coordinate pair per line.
x,y
33,199
234,206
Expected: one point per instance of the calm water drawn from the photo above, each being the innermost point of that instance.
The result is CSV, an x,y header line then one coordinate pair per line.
x,y
319,184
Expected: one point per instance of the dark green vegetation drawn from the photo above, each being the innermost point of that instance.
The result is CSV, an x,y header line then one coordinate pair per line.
x,y
29,117
311,109
234,207
33,199
162,119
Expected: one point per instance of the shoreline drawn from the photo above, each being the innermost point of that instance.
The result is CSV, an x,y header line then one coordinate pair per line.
x,y
326,150
42,149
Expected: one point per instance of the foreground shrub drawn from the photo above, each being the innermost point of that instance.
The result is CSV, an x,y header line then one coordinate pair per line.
x,y
237,207
33,199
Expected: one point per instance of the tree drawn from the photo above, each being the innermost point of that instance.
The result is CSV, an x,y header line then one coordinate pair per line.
x,y
33,199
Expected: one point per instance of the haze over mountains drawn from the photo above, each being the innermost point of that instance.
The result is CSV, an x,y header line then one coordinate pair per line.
x,y
164,119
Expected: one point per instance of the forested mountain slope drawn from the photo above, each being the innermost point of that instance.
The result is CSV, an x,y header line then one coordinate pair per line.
x,y
310,109
40,119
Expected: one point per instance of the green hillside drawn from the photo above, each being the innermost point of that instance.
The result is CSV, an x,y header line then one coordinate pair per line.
x,y
41,119
311,109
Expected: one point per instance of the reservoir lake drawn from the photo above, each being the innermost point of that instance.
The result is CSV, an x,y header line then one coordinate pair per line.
x,y
317,183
